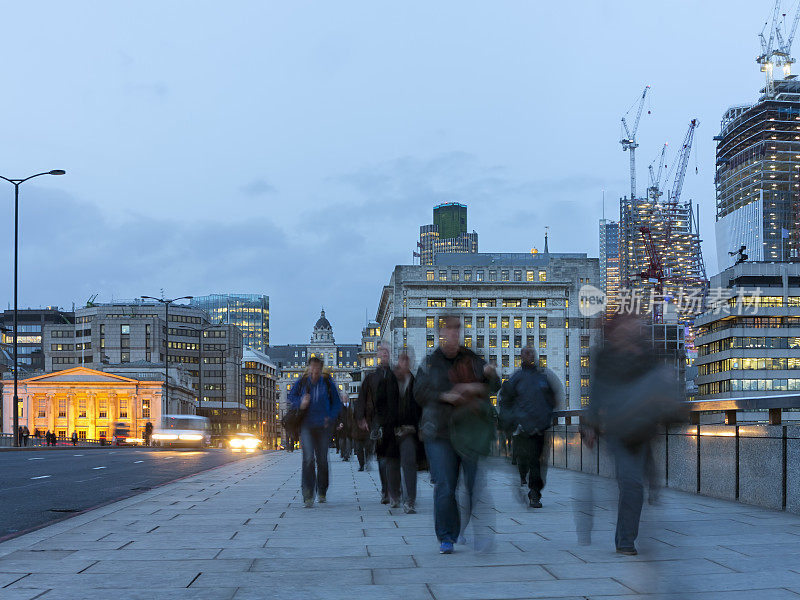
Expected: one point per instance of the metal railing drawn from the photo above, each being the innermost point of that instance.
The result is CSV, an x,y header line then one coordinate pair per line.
x,y
7,441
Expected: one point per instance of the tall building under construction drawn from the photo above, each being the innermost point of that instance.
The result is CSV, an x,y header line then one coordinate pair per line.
x,y
758,177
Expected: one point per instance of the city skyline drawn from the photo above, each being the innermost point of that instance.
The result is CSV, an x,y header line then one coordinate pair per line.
x,y
209,182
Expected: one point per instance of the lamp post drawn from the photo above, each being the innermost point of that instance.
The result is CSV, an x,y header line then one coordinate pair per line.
x,y
166,302
16,183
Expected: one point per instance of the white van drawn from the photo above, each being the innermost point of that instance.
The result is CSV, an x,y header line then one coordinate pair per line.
x,y
183,430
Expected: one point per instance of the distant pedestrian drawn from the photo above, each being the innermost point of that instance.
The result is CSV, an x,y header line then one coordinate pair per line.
x,y
376,412
344,430
148,433
406,429
452,387
527,401
26,434
317,395
74,438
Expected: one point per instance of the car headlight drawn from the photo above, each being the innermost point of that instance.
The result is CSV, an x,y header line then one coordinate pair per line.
x,y
190,437
132,440
251,443
236,442
165,436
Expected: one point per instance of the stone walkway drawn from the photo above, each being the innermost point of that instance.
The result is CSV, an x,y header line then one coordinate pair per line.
x,y
240,531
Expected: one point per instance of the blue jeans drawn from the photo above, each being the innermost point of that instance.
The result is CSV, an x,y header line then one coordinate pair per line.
x,y
445,463
314,442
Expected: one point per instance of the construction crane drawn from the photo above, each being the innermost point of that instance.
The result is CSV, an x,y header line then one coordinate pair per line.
x,y
628,140
681,162
654,191
776,50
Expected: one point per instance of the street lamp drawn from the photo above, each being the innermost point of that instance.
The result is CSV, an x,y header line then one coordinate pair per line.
x,y
16,183
166,302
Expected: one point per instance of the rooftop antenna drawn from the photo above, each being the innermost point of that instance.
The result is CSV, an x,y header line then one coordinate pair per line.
x,y
546,230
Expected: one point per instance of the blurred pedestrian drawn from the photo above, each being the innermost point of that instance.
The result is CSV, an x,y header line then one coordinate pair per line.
x,y
74,438
631,394
408,414
376,412
26,434
148,433
344,429
457,424
316,394
527,401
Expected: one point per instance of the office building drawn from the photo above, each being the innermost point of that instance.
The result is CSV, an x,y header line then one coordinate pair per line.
x,y
448,233
260,389
506,302
609,262
132,335
758,177
30,344
249,312
748,341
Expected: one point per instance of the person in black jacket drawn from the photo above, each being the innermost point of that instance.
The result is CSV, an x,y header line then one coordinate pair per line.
x,y
405,429
376,412
452,387
527,400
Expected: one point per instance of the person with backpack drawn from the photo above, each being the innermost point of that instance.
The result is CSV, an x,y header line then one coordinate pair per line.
x,y
316,397
527,401
452,386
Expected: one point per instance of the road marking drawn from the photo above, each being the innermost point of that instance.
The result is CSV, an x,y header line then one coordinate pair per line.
x,y
38,458
77,455
41,477
95,468
137,461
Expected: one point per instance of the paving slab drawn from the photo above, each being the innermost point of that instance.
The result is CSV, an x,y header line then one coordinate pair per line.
x,y
241,532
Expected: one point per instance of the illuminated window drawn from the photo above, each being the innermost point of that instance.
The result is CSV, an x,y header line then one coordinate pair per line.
x,y
542,275
102,412
505,360
492,322
517,322
536,302
492,341
486,303
585,361
504,275
543,361
517,361
429,341
82,408
468,342
455,276
42,410
505,343
123,408
429,276
542,322
492,275
584,341
479,276
467,275
429,322
530,322
480,323
442,275
467,322
530,275
463,302
62,408
437,302
542,341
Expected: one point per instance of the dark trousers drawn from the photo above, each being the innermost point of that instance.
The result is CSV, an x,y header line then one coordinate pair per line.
x,y
360,452
532,469
389,471
402,470
631,464
314,441
445,464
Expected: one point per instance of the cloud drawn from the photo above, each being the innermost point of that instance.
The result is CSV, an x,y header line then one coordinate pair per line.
x,y
258,187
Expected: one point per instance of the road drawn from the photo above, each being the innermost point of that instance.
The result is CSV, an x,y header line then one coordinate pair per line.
x,y
38,487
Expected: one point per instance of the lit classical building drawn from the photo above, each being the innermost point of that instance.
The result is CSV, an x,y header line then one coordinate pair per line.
x,y
132,335
340,360
88,402
505,301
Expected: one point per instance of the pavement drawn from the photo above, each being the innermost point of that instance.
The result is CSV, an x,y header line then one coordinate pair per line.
x,y
240,531
45,485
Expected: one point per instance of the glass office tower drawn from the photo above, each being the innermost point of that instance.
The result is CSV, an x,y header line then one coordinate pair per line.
x,y
249,312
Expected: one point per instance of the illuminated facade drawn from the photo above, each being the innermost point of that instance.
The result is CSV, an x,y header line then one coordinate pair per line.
x,y
249,312
260,390
88,402
758,171
751,349
506,302
609,262
447,234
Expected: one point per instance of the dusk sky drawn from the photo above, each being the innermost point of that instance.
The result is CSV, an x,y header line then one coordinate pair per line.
x,y
294,148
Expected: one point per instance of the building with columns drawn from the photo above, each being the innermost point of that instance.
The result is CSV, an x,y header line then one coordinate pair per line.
x,y
88,402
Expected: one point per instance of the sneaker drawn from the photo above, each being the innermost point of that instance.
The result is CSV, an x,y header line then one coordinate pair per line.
x,y
627,551
534,503
361,468
384,500
446,548
309,503
408,508
322,499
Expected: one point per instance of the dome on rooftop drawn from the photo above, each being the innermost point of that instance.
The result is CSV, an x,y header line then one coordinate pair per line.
x,y
322,322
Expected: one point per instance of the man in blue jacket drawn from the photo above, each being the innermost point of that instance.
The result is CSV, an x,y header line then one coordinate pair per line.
x,y
317,396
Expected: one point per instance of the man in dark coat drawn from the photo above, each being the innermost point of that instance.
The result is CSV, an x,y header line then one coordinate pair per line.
x,y
376,412
405,429
453,385
527,400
